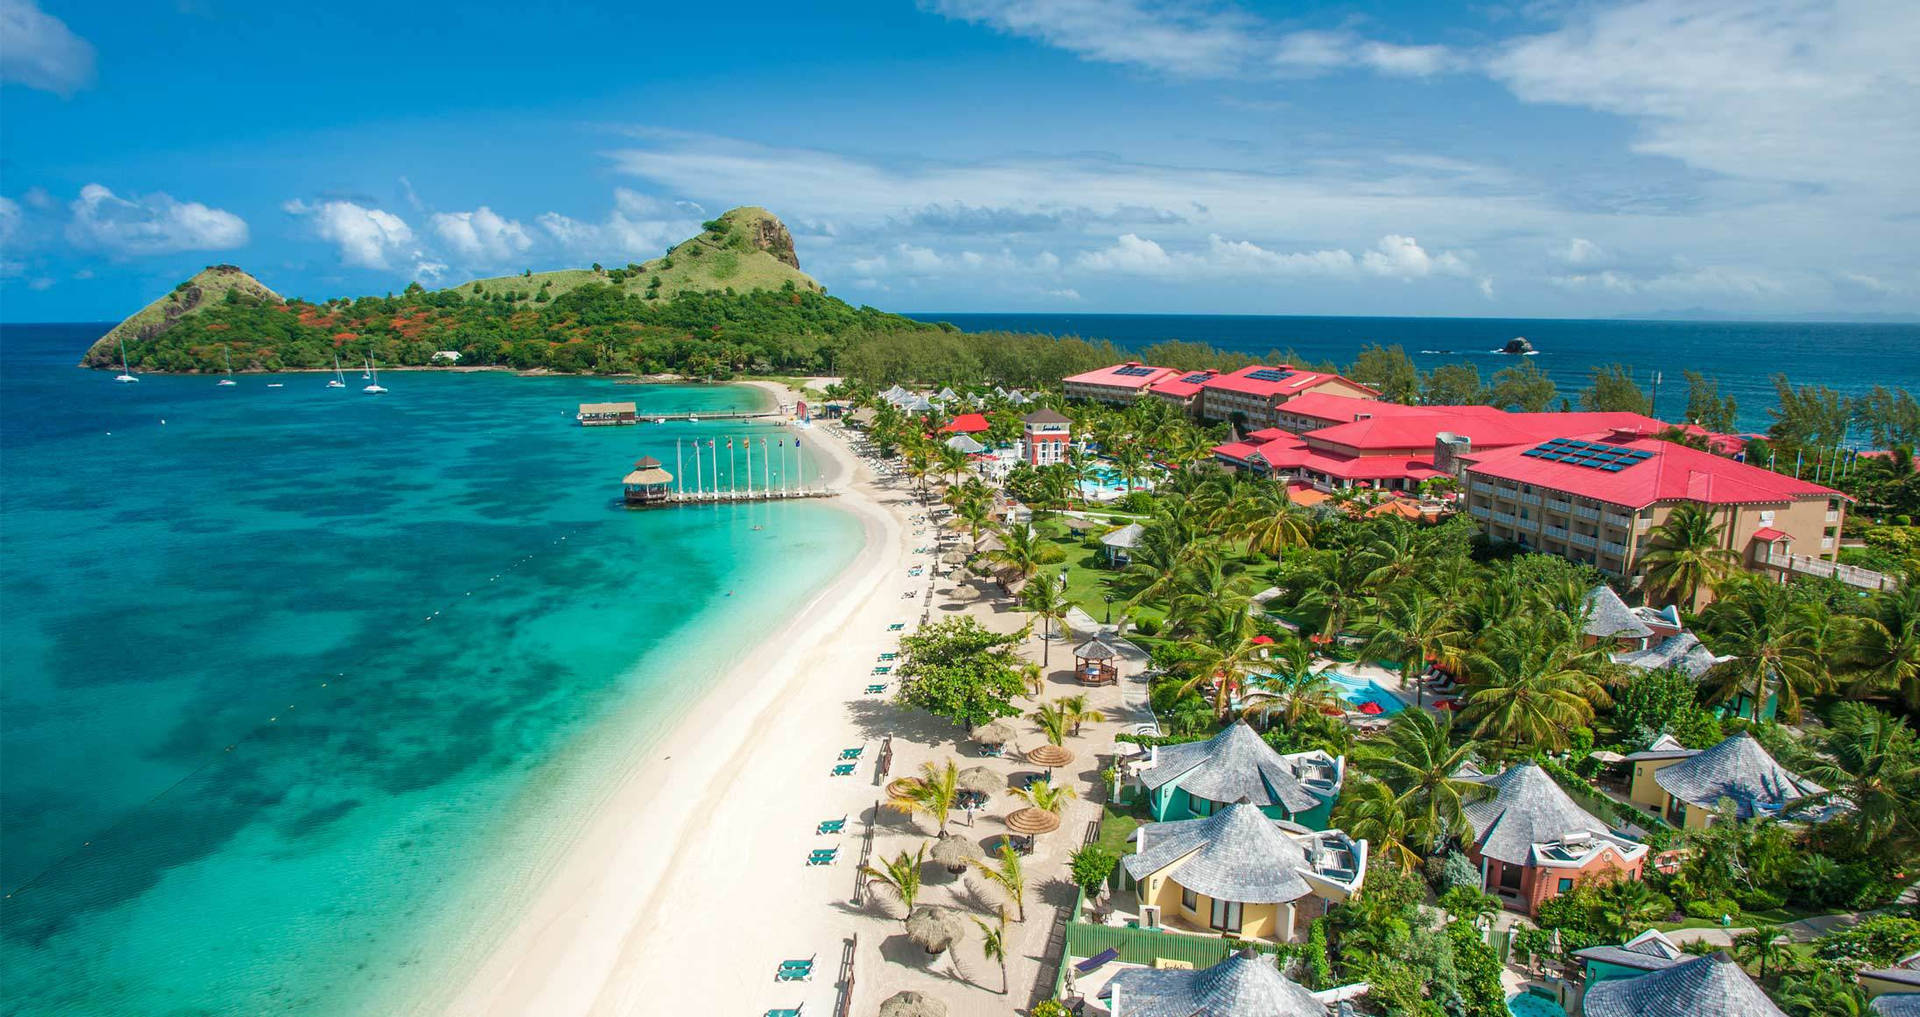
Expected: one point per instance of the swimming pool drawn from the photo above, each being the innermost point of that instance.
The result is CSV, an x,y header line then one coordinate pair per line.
x,y
1105,483
1360,691
1527,1004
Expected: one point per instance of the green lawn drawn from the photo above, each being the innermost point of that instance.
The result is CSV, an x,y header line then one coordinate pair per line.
x,y
1116,825
1089,582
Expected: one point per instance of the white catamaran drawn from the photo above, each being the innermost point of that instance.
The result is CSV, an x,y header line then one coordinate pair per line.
x,y
125,375
228,380
339,380
374,373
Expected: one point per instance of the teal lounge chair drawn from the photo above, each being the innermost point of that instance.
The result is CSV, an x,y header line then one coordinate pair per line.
x,y
822,856
852,753
874,690
896,626
795,971
831,826
889,656
795,1012
883,669
843,770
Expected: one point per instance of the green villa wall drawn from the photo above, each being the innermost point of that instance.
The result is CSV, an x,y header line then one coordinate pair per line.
x,y
1170,803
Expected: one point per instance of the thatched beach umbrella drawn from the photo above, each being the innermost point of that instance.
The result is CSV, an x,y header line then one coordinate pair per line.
x,y
954,558
981,781
912,1004
1050,755
934,928
955,851
898,787
996,733
1031,822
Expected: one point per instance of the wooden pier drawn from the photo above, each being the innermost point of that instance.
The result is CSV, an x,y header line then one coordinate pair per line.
x,y
738,497
649,418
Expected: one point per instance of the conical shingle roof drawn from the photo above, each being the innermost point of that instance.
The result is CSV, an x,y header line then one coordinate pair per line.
x,y
1608,615
1245,984
1712,986
1232,766
1737,768
1527,808
1235,854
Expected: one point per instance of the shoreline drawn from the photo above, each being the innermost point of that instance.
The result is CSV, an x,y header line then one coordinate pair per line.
x,y
579,945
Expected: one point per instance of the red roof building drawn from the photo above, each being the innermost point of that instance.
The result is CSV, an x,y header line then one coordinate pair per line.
x,y
967,423
1182,389
1253,394
1121,383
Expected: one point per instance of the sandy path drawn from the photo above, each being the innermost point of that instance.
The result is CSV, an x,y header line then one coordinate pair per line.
x,y
687,888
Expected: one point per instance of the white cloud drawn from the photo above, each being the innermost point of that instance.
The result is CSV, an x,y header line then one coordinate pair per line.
x,y
1130,253
481,236
366,237
40,51
429,273
155,224
10,217
1401,257
1817,91
639,227
1067,293
1393,256
1486,286
1581,251
1191,39
1709,281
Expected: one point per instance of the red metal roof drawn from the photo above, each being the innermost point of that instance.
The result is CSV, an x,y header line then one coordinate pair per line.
x,y
1769,534
1182,385
1131,379
1339,409
967,423
1672,473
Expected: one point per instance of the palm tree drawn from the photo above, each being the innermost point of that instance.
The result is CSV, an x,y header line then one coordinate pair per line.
x,y
1417,759
1370,810
1077,712
1533,684
1763,948
1008,877
952,461
1023,551
1764,630
901,877
1885,646
1390,558
977,513
1688,555
1224,652
933,792
1043,795
1871,761
1412,626
1270,522
1131,461
1046,598
993,946
1053,722
1291,686
1628,906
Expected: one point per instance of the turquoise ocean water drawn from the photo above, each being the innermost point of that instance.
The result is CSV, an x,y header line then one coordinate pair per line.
x,y
301,687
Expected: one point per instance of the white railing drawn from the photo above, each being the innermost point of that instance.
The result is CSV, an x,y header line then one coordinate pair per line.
x,y
1557,505
1481,488
1556,532
1479,511
1504,517
1852,575
1586,512
1833,517
1617,550
1581,540
1530,499
1616,519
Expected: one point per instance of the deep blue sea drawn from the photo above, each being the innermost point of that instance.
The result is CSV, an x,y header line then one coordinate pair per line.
x,y
300,687
1742,355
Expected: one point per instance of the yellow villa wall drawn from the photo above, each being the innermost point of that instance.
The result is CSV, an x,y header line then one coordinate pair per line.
x,y
1645,791
1257,921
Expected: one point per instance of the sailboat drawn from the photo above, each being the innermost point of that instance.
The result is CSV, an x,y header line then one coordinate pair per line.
x,y
125,375
339,380
374,373
228,380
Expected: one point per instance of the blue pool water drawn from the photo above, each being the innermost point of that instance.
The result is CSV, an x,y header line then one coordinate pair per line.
x,y
1527,1004
1359,691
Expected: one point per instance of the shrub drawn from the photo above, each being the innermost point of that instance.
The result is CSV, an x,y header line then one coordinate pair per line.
x,y
1091,866
1458,872
1050,1008
1713,908
1147,627
1758,900
1319,964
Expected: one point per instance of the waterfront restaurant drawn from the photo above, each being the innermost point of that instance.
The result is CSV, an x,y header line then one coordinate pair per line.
x,y
606,414
648,484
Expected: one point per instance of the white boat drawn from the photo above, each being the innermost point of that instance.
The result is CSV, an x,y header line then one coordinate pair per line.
x,y
276,384
228,380
693,420
374,373
125,375
339,380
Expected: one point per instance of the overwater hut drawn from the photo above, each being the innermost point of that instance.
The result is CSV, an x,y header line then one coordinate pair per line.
x,y
648,483
606,414
1093,663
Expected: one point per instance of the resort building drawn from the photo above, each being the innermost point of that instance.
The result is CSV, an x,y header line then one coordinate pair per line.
x,y
1046,433
1245,984
1253,395
1197,779
1686,786
1240,873
1121,383
1649,951
1645,638
967,423
1710,986
648,483
1118,546
1533,843
1183,390
1894,990
1596,501
605,414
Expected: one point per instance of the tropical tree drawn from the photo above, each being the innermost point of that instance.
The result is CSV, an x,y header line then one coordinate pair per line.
x,y
977,513
1053,722
1533,683
1045,796
899,877
1687,555
1008,877
1413,627
1292,686
1077,712
1763,948
993,946
1370,810
1023,552
934,792
1270,522
952,461
1763,628
1417,758
1224,652
1045,597
1871,761
1628,907
1884,648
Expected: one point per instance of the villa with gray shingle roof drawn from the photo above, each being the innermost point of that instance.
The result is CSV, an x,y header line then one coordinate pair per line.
x,y
1644,638
1649,951
1245,984
1711,986
1240,872
1609,617
1197,778
1533,843
1687,786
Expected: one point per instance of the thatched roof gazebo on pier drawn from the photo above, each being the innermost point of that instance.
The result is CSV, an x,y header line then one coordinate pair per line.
x,y
648,484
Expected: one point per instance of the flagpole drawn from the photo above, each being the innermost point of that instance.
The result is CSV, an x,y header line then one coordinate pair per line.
x,y
749,466
733,483
696,469
679,470
766,466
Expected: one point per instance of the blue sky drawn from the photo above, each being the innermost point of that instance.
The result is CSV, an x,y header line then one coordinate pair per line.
x,y
1536,159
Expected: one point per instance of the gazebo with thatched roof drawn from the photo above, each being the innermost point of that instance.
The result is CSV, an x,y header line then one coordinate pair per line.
x,y
648,484
1093,662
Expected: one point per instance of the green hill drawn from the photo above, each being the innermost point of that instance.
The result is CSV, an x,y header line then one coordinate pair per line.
x,y
745,249
213,286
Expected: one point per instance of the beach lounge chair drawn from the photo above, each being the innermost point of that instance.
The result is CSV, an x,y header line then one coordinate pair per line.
x,y
889,656
822,856
843,770
795,1012
896,626
828,826
1097,961
852,753
797,971
883,669
874,690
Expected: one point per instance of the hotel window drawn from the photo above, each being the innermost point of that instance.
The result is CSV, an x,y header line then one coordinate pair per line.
x,y
1226,916
1189,899
1566,885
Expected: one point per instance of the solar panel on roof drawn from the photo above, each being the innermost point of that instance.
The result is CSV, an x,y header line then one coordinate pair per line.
x,y
1197,377
1588,454
1134,372
1268,374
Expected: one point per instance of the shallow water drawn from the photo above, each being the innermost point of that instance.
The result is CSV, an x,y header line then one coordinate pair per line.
x,y
302,687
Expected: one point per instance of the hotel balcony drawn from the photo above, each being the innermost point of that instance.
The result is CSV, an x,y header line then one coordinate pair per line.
x,y
1559,505
1616,519
1581,540
1556,532
1852,575
1478,511
1833,517
1505,518
1481,488
1586,512
1530,499
1615,549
